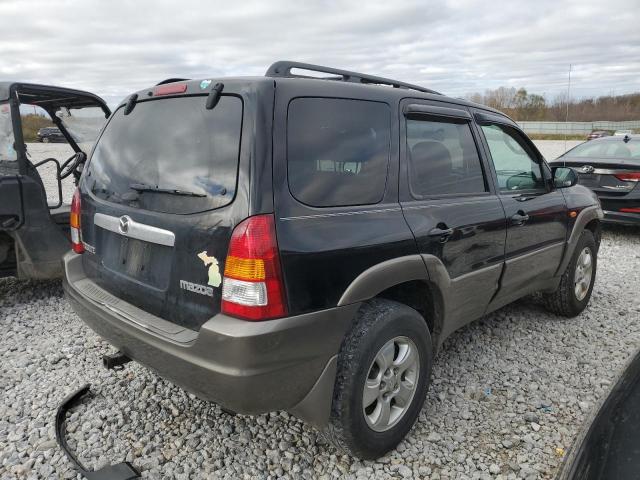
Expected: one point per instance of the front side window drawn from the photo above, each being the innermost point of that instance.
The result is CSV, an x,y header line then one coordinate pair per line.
x,y
7,152
513,160
83,124
443,158
337,151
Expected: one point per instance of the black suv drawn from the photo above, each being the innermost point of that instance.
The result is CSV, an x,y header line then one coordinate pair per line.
x,y
307,244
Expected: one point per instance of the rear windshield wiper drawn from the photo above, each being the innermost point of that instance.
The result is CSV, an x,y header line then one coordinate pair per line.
x,y
143,187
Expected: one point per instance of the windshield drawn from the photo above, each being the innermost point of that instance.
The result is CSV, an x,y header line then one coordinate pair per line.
x,y
83,124
7,153
168,145
606,149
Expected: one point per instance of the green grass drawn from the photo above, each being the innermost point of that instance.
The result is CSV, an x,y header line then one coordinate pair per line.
x,y
554,136
31,124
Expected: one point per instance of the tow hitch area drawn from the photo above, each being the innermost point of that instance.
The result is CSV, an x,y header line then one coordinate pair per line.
x,y
115,361
120,471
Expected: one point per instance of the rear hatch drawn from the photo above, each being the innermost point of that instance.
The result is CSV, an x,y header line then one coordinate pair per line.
x,y
604,179
608,167
160,198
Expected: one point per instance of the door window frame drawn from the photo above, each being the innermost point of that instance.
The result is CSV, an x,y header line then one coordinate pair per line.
x,y
442,112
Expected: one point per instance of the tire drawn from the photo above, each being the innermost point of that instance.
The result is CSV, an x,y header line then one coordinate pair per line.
x,y
45,140
566,301
379,323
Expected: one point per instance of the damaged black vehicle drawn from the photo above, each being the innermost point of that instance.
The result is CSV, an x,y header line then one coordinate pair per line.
x,y
308,244
34,233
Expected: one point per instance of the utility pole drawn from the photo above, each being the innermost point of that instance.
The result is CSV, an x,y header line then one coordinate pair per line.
x,y
566,119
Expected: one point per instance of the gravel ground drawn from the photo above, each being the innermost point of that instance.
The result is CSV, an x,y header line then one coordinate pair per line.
x,y
508,396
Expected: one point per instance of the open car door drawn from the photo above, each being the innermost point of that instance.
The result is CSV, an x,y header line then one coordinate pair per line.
x,y
33,232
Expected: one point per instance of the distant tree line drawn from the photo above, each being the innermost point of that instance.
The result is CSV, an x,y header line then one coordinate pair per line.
x,y
522,105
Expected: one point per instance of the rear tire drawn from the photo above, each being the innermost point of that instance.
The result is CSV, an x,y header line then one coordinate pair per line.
x,y
389,351
573,294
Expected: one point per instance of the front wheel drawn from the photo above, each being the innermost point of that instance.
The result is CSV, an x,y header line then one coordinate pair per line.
x,y
383,374
45,140
573,294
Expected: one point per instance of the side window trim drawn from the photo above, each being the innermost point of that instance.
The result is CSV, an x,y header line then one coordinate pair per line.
x,y
445,115
433,111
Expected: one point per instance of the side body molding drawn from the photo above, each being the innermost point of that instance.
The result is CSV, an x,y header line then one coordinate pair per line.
x,y
585,216
382,276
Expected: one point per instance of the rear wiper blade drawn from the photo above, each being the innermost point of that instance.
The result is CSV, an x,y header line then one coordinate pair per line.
x,y
143,187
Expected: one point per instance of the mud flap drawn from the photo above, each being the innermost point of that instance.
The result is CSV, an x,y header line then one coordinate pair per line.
x,y
120,471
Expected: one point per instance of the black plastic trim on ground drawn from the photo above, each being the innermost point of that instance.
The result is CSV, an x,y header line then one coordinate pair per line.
x,y
120,471
610,446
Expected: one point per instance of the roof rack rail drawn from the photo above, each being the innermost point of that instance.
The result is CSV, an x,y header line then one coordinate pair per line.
x,y
283,69
171,80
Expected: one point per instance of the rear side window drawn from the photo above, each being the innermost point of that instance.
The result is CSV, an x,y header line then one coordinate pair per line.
x,y
443,158
173,144
338,151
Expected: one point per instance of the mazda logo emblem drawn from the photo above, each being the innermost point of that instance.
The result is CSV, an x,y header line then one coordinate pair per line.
x,y
588,169
124,224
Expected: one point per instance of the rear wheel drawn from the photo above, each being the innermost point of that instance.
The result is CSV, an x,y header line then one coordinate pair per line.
x,y
383,374
573,294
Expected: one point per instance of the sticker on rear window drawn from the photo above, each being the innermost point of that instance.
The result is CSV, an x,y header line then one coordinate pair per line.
x,y
214,270
204,84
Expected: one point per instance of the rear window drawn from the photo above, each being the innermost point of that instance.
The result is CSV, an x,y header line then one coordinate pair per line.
x,y
338,151
606,149
174,144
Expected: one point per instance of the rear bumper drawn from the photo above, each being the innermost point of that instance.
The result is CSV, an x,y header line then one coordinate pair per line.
x,y
246,367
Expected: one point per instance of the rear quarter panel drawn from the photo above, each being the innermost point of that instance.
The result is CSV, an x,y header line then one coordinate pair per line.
x,y
324,249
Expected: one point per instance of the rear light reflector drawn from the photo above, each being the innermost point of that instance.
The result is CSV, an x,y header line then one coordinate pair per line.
x,y
628,176
244,293
253,286
169,89
630,210
74,223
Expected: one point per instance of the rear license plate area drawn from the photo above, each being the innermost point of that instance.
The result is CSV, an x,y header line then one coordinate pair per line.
x,y
144,262
589,179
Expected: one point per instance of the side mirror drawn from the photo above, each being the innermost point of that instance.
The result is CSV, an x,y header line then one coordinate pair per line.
x,y
564,177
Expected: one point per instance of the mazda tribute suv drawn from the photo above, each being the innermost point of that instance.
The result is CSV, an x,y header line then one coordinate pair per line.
x,y
306,241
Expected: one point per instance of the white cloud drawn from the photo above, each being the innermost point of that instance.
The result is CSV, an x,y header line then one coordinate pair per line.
x,y
457,47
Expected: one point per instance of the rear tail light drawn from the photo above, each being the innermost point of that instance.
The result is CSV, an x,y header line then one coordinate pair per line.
x,y
628,176
74,223
630,210
253,288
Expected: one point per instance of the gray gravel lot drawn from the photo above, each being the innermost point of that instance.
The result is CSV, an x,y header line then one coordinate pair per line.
x,y
508,396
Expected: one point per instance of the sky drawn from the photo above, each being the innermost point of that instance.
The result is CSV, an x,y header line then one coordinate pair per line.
x,y
115,47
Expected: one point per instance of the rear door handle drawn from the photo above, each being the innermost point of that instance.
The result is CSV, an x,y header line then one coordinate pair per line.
x,y
442,232
519,218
